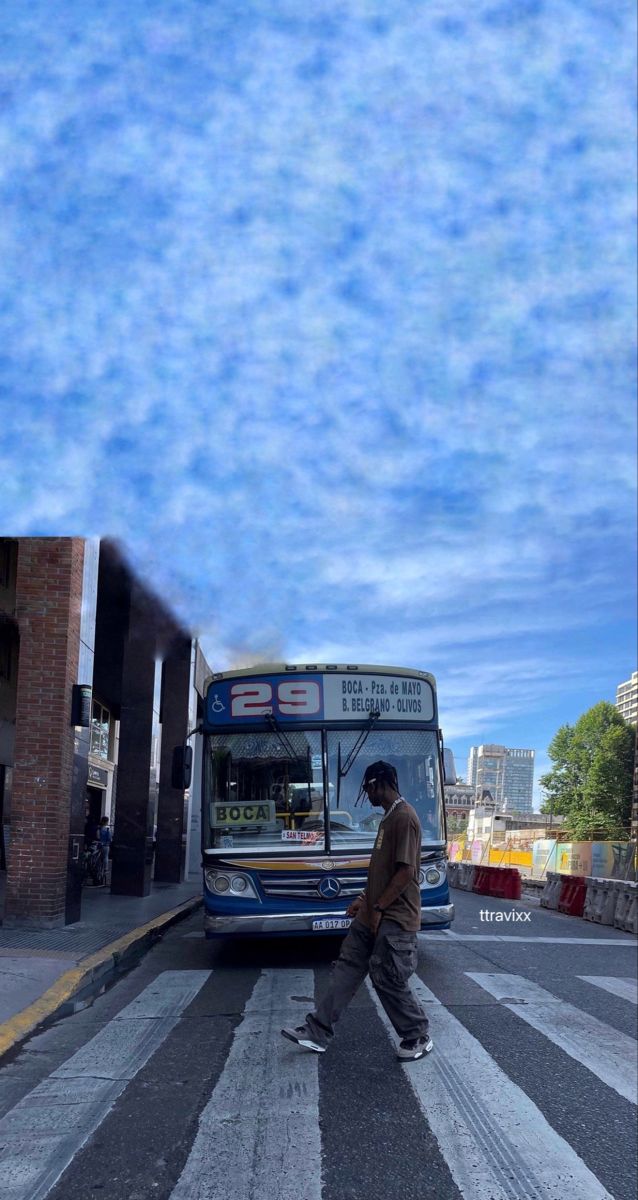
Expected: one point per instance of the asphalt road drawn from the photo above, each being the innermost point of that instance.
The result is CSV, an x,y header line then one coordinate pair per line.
x,y
177,1083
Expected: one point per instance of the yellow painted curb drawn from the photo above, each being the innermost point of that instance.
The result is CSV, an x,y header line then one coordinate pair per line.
x,y
18,1026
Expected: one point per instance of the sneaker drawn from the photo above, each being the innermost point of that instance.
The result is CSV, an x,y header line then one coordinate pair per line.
x,y
410,1049
303,1037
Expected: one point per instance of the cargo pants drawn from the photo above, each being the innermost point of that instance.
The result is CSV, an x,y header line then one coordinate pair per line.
x,y
390,958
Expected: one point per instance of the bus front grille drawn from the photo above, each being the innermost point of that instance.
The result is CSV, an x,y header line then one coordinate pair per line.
x,y
307,886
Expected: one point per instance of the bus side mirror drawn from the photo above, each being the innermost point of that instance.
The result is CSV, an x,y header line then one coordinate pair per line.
x,y
449,769
182,771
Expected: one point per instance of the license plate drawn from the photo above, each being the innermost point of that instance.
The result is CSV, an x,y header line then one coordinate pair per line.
x,y
331,923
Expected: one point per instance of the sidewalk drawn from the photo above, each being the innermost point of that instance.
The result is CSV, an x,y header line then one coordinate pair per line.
x,y
42,969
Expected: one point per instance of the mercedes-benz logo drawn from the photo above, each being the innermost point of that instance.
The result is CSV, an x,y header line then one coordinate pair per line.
x,y
329,888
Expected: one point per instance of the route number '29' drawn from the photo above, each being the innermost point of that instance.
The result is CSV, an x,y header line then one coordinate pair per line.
x,y
293,698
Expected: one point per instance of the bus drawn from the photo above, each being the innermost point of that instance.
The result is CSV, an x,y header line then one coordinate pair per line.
x,y
286,833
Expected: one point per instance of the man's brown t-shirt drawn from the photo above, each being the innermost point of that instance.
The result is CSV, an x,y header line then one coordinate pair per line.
x,y
398,844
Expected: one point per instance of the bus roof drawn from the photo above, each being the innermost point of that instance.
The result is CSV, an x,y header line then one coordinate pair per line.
x,y
282,668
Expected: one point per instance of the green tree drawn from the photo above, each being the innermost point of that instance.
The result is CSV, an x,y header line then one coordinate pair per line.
x,y
591,779
562,785
456,825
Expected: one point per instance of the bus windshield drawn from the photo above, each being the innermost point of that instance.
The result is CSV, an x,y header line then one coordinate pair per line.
x,y
263,791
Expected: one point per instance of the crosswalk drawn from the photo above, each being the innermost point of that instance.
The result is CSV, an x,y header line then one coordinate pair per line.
x,y
259,1132
607,1053
627,989
41,1134
495,1141
270,1114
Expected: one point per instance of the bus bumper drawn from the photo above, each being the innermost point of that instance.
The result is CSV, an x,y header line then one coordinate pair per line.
x,y
437,916
440,914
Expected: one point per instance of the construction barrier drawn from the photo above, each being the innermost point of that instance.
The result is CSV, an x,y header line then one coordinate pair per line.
x,y
482,877
466,876
590,895
505,883
631,918
611,896
626,911
605,901
602,906
600,900
571,898
612,902
453,874
622,904
551,891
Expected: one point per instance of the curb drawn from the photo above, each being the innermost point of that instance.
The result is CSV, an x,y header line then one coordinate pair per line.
x,y
95,967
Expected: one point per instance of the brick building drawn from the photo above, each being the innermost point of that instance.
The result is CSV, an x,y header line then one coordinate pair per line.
x,y
99,682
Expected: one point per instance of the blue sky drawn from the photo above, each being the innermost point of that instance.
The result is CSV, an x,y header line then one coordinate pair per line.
x,y
327,312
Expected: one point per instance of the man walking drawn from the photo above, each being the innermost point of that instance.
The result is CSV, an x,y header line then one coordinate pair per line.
x,y
104,837
382,937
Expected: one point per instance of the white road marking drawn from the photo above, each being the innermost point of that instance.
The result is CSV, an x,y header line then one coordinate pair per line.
x,y
449,935
258,1135
627,989
495,1141
42,1133
610,1055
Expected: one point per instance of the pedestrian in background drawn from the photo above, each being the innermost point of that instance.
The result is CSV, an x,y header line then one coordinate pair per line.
x,y
382,937
105,839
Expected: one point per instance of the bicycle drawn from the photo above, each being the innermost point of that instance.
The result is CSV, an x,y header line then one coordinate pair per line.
x,y
93,865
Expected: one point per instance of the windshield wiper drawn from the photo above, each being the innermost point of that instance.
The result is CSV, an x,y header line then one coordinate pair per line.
x,y
359,744
283,737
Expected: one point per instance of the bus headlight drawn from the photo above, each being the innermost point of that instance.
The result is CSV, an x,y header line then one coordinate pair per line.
x,y
225,884
433,876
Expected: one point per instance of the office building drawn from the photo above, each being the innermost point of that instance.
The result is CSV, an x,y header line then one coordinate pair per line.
x,y
627,699
508,774
518,785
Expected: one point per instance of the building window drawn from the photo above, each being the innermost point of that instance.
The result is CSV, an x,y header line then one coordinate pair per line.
x,y
100,730
5,564
5,659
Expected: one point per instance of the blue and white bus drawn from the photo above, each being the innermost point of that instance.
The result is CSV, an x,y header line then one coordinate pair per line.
x,y
286,845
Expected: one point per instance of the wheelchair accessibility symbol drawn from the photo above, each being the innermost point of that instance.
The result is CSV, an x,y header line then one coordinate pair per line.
x,y
217,705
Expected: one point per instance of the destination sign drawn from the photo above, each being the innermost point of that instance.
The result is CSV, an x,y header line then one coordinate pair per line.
x,y
337,696
243,814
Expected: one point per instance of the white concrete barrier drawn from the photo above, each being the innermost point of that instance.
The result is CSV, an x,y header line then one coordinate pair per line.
x,y
604,901
622,905
466,876
631,916
610,900
453,874
626,913
551,891
588,910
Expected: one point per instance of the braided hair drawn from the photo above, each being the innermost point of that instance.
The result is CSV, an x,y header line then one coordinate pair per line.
x,y
378,772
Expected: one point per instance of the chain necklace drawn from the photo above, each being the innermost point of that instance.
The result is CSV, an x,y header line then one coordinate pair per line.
x,y
399,800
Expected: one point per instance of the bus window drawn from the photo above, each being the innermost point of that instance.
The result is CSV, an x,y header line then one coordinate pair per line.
x,y
263,792
414,754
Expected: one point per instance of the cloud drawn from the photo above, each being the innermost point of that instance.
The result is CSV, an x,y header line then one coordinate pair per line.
x,y
328,317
